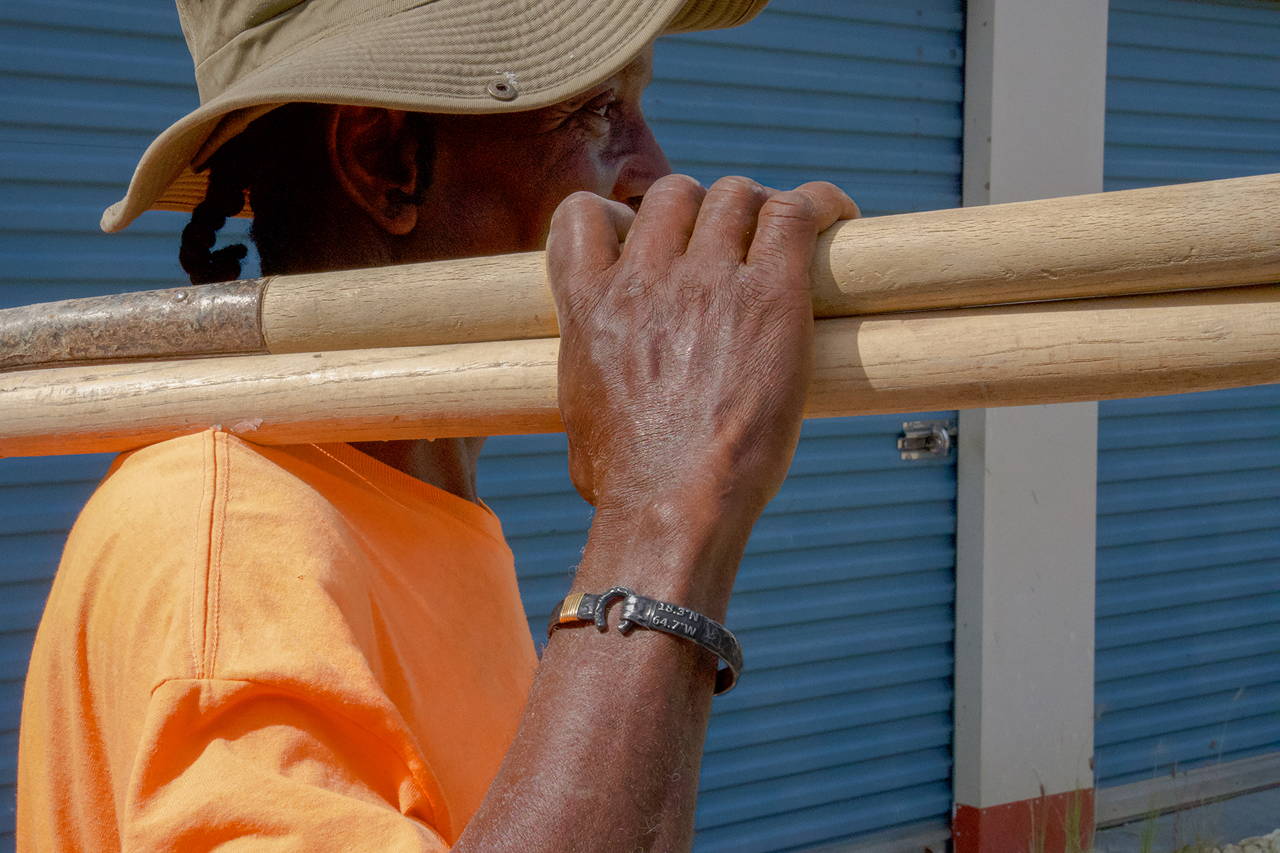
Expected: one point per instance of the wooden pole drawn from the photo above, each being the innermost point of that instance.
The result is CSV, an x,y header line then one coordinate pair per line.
x,y
1013,355
1209,234
1212,234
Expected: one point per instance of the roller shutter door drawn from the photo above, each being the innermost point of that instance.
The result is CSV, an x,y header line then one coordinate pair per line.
x,y
83,88
842,723
1188,660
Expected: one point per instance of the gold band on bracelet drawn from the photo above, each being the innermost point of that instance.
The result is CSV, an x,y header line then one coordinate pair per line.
x,y
569,608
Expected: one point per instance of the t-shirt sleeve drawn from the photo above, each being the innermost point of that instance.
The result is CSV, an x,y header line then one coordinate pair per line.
x,y
234,765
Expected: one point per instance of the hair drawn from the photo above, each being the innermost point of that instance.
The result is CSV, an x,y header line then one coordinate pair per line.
x,y
224,197
280,166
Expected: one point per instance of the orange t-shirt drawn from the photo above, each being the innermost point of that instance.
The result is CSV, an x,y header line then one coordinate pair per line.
x,y
253,648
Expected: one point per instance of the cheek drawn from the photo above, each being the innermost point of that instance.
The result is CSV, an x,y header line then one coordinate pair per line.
x,y
566,176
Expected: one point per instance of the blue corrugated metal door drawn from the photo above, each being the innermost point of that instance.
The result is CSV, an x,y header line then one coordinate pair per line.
x,y
1188,661
843,724
83,88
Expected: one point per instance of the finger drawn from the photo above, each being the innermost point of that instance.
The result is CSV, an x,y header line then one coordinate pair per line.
x,y
788,226
726,222
584,238
665,220
845,207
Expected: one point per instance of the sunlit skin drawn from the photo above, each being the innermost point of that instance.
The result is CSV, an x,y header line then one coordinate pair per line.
x,y
513,170
685,355
497,181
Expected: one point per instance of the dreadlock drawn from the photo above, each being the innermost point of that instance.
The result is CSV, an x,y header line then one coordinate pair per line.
x,y
279,164
224,198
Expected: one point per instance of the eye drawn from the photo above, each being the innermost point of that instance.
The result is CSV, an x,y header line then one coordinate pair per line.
x,y
604,106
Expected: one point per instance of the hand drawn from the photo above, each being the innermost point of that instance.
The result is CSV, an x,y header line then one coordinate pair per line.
x,y
686,353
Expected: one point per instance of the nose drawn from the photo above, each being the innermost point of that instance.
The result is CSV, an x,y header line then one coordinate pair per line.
x,y
643,163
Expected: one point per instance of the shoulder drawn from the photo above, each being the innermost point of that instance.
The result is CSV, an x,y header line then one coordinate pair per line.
x,y
166,500
186,536
187,484
196,470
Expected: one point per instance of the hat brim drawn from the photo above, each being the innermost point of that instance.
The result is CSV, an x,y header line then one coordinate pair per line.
x,y
436,57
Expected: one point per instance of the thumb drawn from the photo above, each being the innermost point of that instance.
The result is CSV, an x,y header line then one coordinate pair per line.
x,y
584,240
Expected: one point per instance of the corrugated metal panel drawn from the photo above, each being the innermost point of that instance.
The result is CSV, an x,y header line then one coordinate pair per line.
x,y
842,725
1188,661
1189,486
83,87
865,94
1193,91
816,743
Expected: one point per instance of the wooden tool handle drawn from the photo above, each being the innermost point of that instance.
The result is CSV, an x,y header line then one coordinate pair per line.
x,y
1035,353
1210,234
1213,234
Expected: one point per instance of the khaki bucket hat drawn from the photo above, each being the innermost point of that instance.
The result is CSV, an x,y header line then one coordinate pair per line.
x,y
441,56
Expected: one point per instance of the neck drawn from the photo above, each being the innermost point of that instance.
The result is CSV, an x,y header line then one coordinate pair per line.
x,y
347,241
447,463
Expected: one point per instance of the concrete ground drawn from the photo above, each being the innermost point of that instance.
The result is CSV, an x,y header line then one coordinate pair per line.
x,y
1215,824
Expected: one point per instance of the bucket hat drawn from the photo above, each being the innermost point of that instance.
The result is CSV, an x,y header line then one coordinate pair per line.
x,y
439,56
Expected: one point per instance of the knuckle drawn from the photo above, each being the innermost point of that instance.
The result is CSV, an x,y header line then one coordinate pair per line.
x,y
753,299
790,205
676,185
830,193
737,185
579,202
636,284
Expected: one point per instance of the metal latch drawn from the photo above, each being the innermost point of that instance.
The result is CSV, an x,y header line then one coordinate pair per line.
x,y
926,440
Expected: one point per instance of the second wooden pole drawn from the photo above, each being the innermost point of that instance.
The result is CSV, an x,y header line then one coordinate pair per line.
x,y
1035,353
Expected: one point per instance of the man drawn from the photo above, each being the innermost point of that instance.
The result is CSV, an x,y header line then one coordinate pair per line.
x,y
321,647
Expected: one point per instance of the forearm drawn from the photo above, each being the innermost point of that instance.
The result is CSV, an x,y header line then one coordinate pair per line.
x,y
685,353
607,754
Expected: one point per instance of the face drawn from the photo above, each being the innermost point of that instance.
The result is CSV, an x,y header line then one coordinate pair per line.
x,y
497,179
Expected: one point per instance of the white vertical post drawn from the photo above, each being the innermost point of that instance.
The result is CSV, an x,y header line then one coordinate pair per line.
x,y
1035,103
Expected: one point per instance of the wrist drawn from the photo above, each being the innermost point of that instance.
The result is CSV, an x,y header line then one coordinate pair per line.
x,y
675,550
638,611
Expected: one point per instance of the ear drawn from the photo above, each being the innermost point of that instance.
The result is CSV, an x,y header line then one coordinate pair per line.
x,y
375,159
